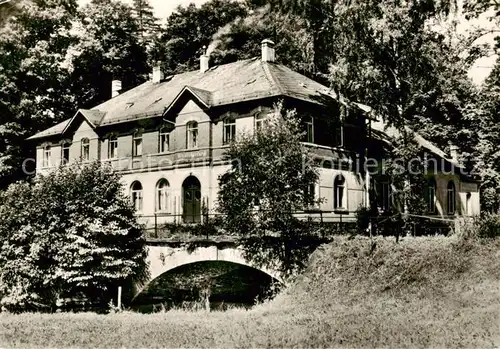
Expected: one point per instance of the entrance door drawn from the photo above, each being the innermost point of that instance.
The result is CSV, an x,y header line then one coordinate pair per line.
x,y
192,200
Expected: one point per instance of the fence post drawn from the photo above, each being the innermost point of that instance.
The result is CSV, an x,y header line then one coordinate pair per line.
x,y
119,300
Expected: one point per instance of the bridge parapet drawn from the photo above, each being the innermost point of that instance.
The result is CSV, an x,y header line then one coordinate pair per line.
x,y
165,227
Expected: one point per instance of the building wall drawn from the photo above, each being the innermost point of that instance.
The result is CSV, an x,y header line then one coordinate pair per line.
x,y
207,175
203,163
85,131
464,206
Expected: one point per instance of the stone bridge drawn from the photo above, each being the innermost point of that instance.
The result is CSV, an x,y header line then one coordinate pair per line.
x,y
165,256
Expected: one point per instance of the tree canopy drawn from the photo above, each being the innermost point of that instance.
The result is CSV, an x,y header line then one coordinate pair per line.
x,y
68,241
406,60
272,177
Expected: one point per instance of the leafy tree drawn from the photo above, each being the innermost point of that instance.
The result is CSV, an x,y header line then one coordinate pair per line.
x,y
242,39
475,8
487,149
146,20
407,168
68,240
270,180
190,28
35,84
108,48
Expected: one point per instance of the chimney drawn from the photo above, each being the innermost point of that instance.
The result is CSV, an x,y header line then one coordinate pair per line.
x,y
157,73
204,63
116,87
454,152
267,51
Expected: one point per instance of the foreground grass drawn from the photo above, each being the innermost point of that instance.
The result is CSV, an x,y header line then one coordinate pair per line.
x,y
423,292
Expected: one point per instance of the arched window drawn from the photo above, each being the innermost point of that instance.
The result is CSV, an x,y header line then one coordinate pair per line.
x,y
112,147
136,195
339,193
431,195
229,130
162,196
137,144
47,154
85,151
451,198
164,140
260,121
65,146
192,135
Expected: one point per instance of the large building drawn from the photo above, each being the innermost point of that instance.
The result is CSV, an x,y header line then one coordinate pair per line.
x,y
168,137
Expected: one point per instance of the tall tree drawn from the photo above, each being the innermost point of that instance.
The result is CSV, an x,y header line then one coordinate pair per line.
x,y
35,85
146,21
271,177
108,48
190,28
488,146
69,239
149,28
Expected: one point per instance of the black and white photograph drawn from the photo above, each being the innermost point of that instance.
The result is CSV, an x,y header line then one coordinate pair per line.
x,y
250,174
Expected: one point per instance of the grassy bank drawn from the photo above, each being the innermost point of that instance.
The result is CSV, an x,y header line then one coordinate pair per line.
x,y
422,292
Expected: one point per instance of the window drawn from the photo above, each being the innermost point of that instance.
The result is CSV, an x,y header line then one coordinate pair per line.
x,y
309,136
65,152
311,196
339,192
162,195
164,140
137,144
384,195
260,121
85,153
136,195
339,135
229,130
339,127
47,153
451,198
192,135
467,204
431,196
112,147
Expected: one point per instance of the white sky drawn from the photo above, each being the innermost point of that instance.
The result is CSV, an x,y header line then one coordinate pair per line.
x,y
163,8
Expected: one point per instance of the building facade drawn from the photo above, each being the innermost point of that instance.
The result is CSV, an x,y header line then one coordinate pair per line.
x,y
168,136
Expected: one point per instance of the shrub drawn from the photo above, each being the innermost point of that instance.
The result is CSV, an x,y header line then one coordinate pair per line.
x,y
270,178
68,240
485,226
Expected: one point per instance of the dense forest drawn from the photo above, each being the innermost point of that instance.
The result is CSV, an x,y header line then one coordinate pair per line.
x,y
406,59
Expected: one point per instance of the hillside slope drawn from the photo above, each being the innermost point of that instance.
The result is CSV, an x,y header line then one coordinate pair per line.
x,y
422,292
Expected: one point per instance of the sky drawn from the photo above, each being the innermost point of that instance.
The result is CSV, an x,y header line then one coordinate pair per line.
x,y
163,8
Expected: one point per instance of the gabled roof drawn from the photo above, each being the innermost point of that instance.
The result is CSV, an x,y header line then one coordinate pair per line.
x,y
203,96
52,131
236,82
93,117
391,132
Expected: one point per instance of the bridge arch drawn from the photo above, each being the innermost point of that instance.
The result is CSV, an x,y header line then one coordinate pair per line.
x,y
165,258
